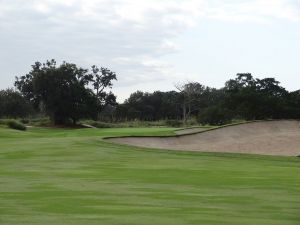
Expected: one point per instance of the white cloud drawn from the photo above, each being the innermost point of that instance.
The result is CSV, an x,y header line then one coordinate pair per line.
x,y
130,36
253,11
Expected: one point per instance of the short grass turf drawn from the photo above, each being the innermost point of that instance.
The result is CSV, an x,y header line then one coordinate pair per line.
x,y
72,177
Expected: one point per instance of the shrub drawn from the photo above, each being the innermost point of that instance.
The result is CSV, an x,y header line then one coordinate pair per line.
x,y
174,123
215,115
4,121
25,121
13,124
192,122
41,122
102,124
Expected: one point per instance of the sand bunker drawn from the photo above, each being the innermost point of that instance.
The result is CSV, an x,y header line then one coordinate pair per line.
x,y
266,138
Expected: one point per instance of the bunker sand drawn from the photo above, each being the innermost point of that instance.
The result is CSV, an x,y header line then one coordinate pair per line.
x,y
266,138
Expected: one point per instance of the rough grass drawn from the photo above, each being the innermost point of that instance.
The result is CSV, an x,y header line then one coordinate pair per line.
x,y
56,176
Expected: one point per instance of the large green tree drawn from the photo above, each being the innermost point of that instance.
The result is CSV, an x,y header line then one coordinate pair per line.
x,y
13,104
66,92
252,98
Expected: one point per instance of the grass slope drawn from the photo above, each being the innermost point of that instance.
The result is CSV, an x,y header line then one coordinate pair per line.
x,y
62,177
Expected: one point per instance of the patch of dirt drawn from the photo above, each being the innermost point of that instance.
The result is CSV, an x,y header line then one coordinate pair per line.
x,y
266,138
88,126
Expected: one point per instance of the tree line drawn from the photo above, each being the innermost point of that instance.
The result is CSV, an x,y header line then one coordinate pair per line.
x,y
67,93
243,97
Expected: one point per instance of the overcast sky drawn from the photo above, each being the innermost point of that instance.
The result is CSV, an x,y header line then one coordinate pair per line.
x,y
154,44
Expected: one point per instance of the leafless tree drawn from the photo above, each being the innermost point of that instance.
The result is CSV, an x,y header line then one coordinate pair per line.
x,y
190,92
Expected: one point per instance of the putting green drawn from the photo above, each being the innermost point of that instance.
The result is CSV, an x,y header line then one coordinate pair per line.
x,y
62,177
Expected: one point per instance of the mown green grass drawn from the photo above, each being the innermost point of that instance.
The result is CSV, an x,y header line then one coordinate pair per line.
x,y
62,177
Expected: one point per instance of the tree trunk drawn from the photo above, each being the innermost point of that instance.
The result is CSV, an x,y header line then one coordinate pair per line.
x,y
184,114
